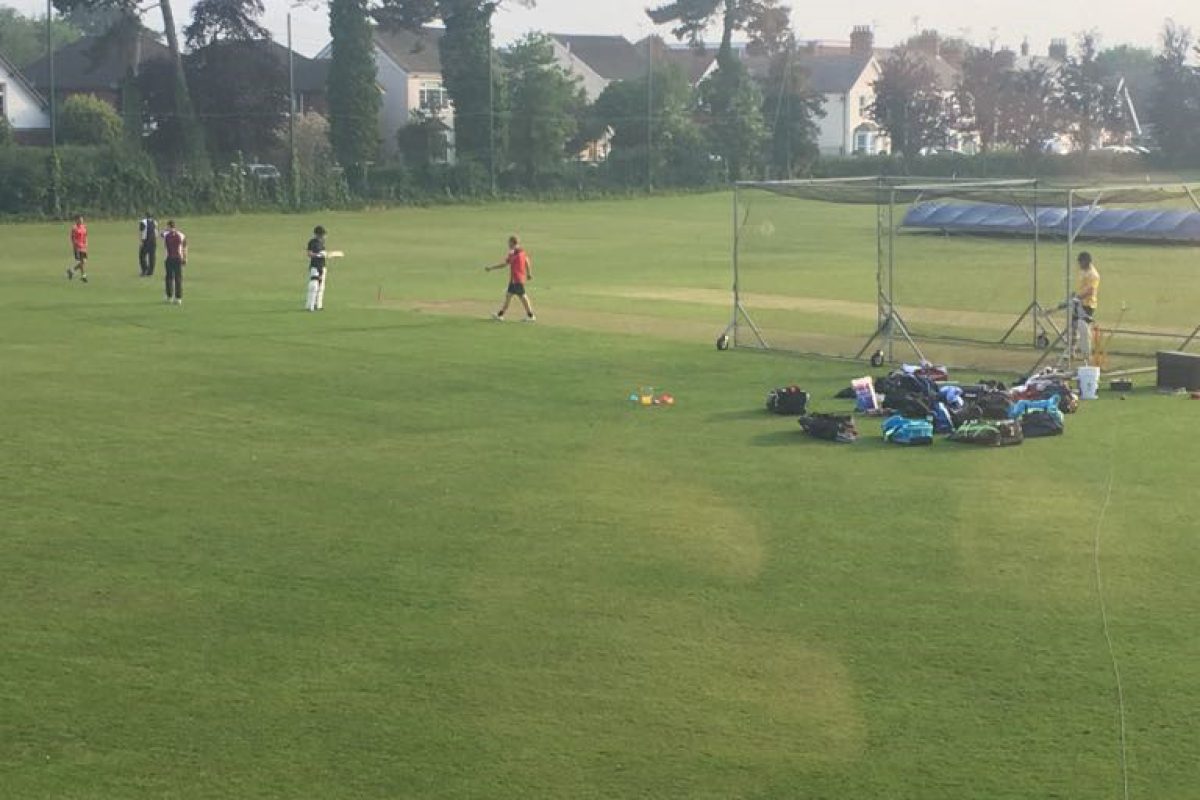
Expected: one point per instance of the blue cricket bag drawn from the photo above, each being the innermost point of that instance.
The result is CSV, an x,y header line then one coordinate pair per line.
x,y
1023,407
902,430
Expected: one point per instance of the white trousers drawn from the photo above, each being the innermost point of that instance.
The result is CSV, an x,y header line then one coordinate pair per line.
x,y
315,300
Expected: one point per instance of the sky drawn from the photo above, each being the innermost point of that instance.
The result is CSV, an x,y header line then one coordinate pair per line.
x,y
1007,23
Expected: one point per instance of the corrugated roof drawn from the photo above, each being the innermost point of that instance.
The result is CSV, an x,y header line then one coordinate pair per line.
x,y
413,51
613,58
92,64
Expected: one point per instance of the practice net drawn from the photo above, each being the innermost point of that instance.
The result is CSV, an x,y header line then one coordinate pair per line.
x,y
967,273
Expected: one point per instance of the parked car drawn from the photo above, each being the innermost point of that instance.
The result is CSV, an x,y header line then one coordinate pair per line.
x,y
263,172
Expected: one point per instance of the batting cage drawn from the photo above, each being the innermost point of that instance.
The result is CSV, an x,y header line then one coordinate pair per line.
x,y
968,273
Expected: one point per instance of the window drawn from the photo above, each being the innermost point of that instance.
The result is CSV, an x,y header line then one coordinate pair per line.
x,y
862,142
3,101
433,97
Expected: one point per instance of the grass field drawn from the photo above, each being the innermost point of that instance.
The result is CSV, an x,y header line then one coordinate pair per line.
x,y
396,550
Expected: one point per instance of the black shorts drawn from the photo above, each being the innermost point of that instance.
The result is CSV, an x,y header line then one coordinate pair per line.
x,y
517,288
81,255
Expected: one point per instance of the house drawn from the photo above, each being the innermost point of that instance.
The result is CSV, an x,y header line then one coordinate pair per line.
x,y
598,60
22,106
844,76
408,73
311,75
97,66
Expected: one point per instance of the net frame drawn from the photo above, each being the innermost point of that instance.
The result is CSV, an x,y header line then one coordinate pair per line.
x,y
1126,194
1028,195
884,192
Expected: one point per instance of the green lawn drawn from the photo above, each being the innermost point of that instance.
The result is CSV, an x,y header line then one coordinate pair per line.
x,y
396,550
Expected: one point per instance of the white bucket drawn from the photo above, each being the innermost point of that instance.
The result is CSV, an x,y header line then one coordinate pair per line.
x,y
1089,382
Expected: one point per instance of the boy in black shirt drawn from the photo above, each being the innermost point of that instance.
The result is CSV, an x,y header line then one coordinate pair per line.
x,y
316,271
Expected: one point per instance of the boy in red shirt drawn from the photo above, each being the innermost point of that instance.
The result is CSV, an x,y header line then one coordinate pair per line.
x,y
519,272
79,246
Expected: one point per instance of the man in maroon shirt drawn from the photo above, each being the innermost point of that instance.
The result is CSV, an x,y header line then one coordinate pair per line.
x,y
176,244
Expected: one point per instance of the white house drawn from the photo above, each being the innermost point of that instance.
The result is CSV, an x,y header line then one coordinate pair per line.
x,y
843,76
21,105
408,69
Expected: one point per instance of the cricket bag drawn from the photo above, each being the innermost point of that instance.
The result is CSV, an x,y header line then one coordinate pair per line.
x,y
905,431
991,432
830,427
1039,423
790,400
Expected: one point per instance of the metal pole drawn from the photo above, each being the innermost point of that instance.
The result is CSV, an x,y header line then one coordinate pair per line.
x,y
891,281
1071,332
293,178
491,114
54,169
1036,305
737,298
650,114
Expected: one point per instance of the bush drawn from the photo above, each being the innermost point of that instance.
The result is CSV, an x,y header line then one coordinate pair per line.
x,y
6,133
88,120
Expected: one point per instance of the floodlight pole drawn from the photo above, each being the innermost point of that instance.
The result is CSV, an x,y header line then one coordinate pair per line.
x,y
293,178
54,199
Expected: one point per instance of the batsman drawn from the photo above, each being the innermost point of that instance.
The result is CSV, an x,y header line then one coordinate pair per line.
x,y
317,257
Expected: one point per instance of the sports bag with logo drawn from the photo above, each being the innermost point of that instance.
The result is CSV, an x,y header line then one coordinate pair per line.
x,y
787,400
1041,423
1023,407
902,430
992,432
830,427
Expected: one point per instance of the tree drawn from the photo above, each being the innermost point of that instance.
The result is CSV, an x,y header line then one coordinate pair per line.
x,y
672,149
1176,100
1028,113
190,141
732,111
908,104
241,95
217,20
88,120
467,67
6,133
547,102
423,140
791,111
981,88
353,97
238,85
731,101
1088,96
23,39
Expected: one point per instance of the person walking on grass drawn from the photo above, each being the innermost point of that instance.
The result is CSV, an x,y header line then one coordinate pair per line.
x,y
147,244
176,245
520,271
79,246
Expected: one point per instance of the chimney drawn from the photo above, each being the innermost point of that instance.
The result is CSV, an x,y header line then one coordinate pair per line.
x,y
1025,47
862,40
1058,49
929,42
